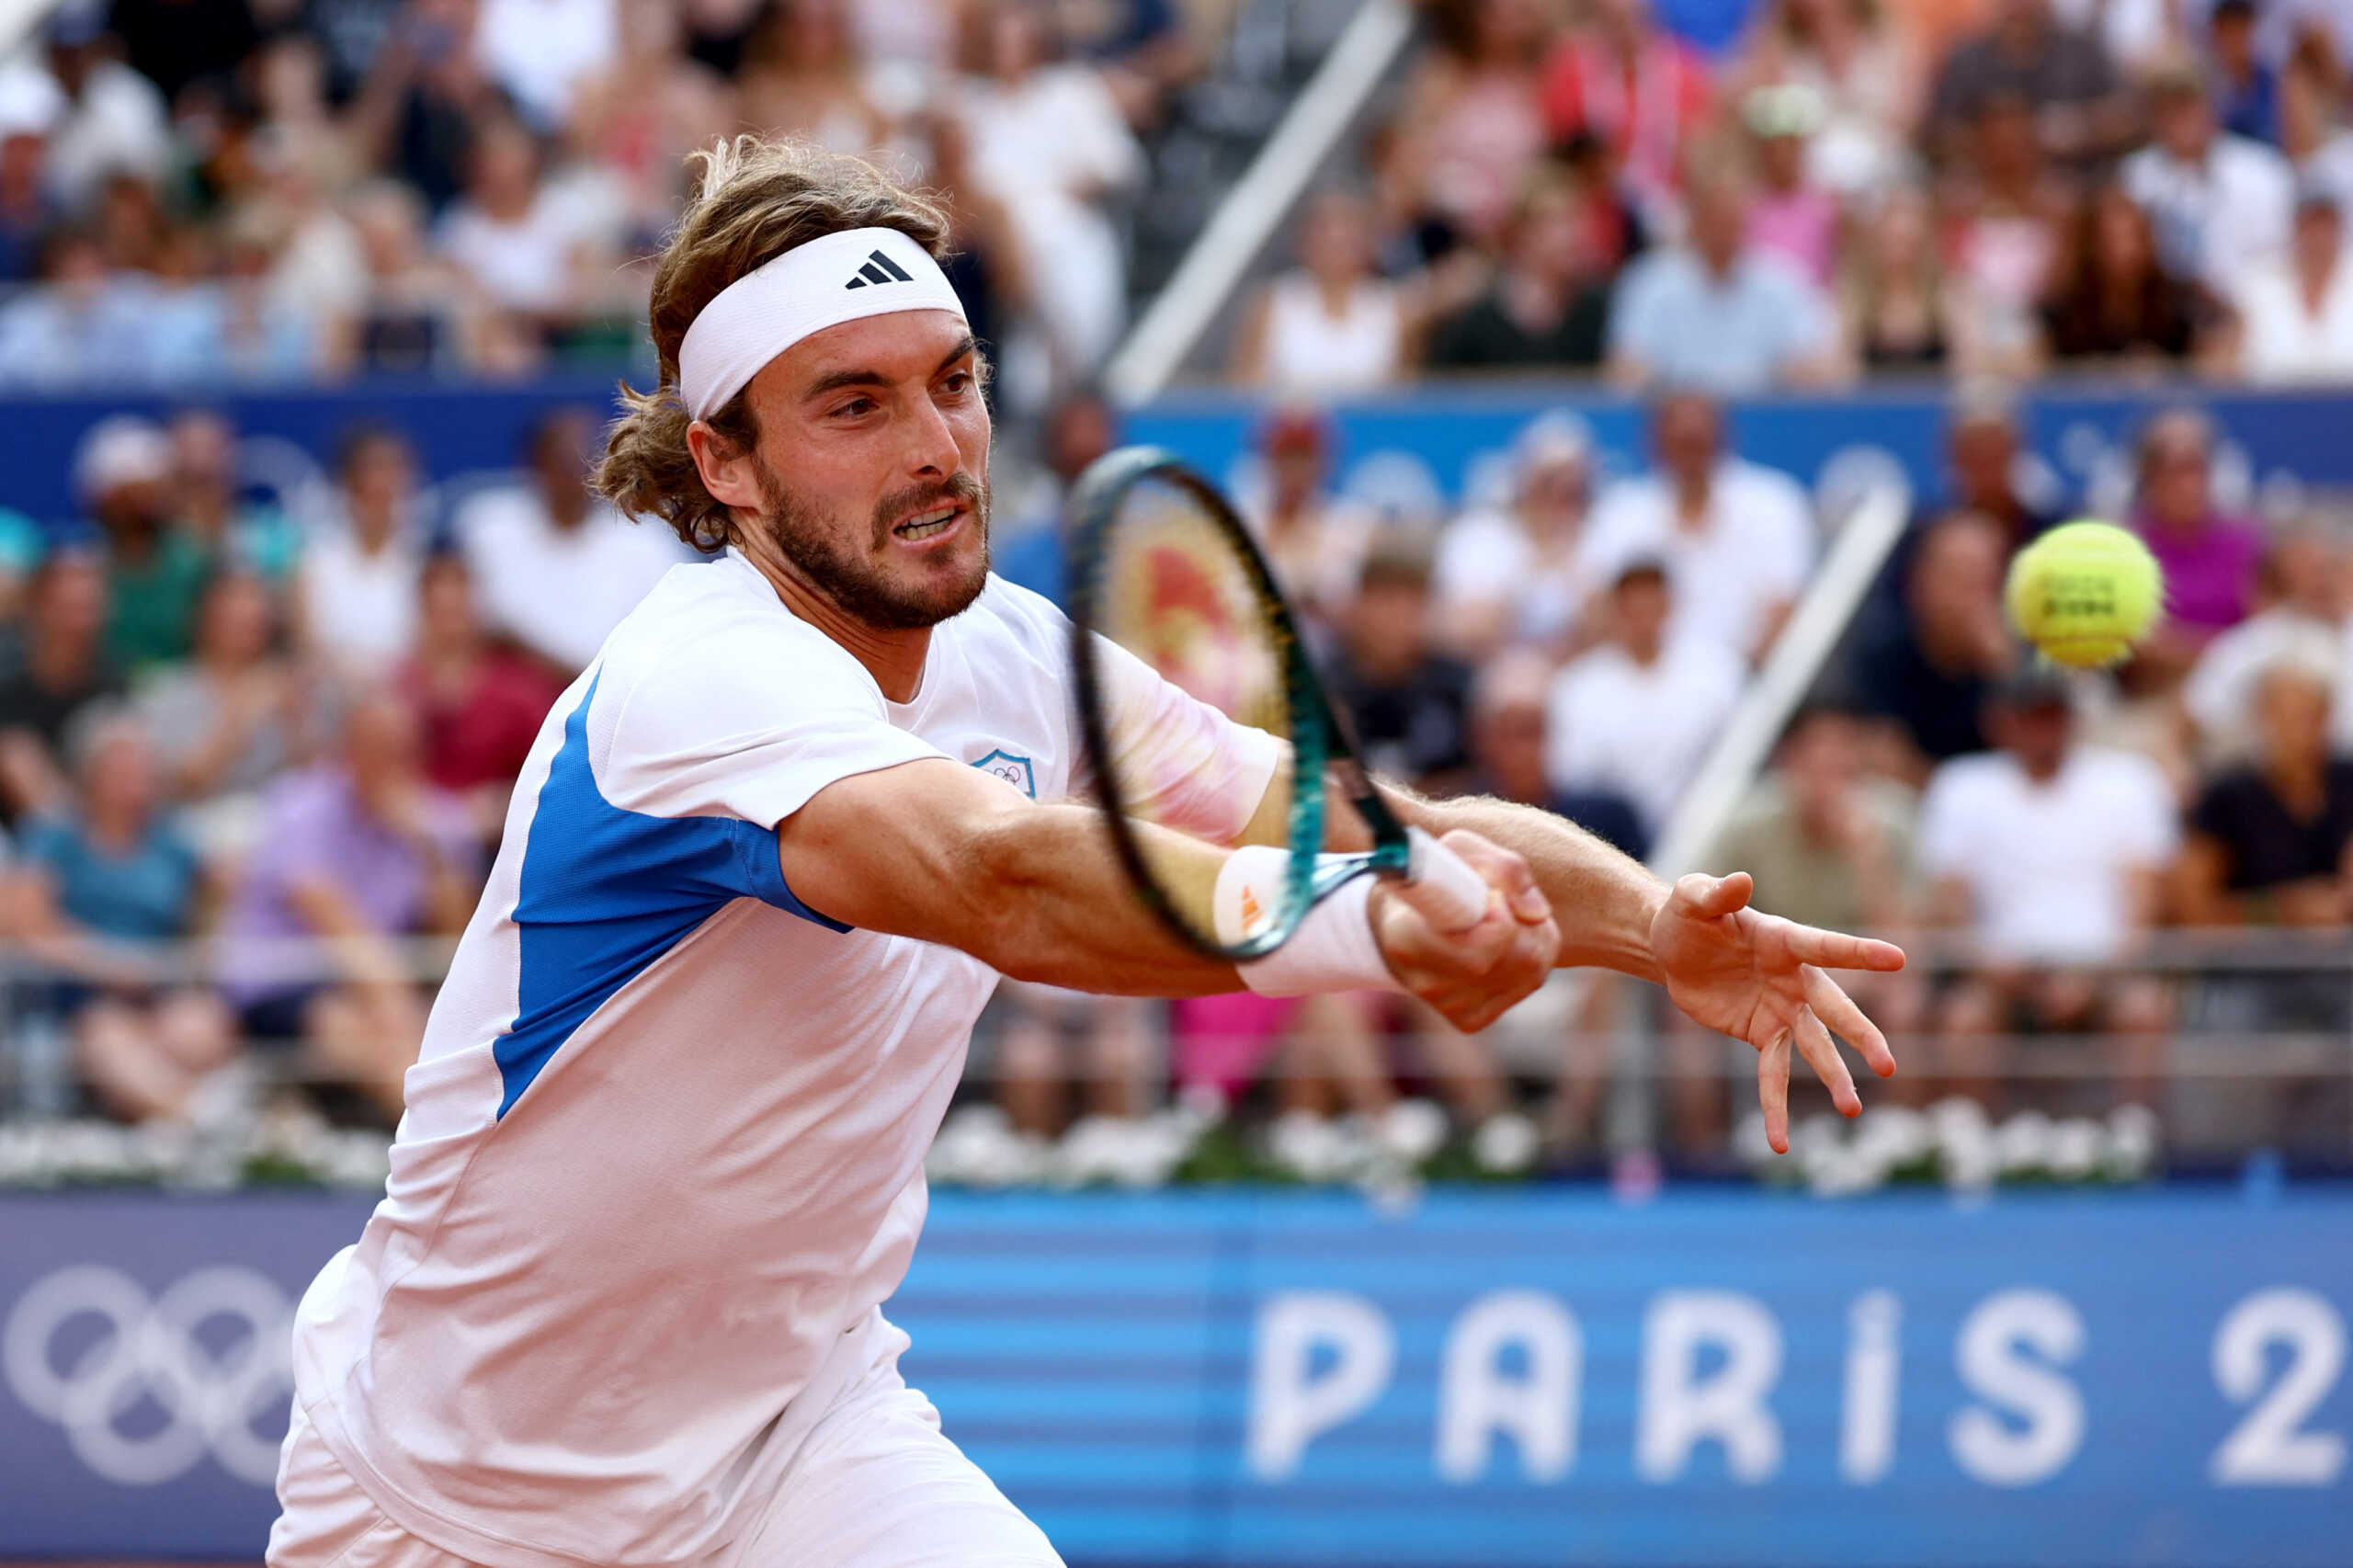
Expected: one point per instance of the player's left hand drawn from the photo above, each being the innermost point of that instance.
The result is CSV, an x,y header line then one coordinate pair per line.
x,y
1759,978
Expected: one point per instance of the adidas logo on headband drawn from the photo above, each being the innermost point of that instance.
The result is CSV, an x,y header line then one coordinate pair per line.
x,y
878,269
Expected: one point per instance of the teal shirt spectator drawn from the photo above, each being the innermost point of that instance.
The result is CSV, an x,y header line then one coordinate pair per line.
x,y
148,893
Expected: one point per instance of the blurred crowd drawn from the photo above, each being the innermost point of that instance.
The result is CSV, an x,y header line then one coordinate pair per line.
x,y
193,191
281,720
1854,188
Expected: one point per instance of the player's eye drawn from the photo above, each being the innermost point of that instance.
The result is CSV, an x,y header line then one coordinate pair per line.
x,y
855,407
957,384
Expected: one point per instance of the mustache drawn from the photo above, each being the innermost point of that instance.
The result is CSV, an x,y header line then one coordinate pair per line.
x,y
962,488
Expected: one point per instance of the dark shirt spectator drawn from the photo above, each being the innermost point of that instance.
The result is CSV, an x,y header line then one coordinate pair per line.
x,y
155,570
2064,74
1928,676
1411,705
2112,300
62,669
2268,840
1547,306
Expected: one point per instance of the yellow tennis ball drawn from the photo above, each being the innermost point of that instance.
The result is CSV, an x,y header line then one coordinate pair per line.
x,y
2084,592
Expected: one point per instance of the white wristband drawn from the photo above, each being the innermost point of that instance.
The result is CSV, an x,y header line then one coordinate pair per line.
x,y
1334,948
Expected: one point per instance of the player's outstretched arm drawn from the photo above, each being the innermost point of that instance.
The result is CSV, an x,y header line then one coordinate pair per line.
x,y
948,854
1745,973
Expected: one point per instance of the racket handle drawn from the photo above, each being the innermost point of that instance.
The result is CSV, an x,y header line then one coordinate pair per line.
x,y
1440,884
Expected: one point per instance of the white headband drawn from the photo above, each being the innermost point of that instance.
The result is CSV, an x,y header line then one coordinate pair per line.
x,y
840,278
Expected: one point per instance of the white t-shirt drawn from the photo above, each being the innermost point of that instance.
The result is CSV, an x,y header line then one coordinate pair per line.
x,y
559,591
1311,354
541,51
1486,558
2047,865
665,1138
2284,342
1752,550
1639,731
2215,218
2221,691
360,606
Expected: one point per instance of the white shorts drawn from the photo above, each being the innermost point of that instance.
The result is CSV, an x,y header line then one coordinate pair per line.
x,y
874,1484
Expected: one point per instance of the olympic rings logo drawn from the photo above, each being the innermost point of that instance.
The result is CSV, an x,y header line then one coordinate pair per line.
x,y
149,1355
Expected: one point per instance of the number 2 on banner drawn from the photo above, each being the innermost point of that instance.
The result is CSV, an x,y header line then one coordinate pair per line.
x,y
2266,1449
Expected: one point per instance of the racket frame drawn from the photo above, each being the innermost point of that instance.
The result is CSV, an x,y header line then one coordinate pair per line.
x,y
1323,746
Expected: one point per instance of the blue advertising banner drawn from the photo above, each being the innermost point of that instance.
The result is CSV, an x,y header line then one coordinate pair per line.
x,y
1484,1381
1434,443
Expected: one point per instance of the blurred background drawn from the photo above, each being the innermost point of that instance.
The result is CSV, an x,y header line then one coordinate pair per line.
x,y
1642,399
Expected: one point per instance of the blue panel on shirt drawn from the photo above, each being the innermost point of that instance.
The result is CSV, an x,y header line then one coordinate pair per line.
x,y
605,892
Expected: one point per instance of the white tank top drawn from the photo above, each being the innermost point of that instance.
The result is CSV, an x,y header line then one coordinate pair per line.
x,y
1308,350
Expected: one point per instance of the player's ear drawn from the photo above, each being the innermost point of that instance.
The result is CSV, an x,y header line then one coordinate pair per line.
x,y
727,471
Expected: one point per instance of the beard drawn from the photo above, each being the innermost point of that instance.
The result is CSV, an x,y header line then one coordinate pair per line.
x,y
815,545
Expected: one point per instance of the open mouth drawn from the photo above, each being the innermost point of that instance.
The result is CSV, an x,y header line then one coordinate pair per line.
x,y
928,525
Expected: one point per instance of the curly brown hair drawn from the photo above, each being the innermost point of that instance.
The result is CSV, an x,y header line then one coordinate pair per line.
x,y
757,199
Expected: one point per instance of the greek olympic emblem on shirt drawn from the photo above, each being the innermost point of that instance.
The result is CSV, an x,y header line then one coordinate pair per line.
x,y
212,1353
1013,770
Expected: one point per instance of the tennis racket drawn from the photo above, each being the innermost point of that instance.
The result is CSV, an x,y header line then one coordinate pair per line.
x,y
1161,567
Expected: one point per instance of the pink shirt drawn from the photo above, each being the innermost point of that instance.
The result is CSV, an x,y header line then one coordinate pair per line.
x,y
2210,570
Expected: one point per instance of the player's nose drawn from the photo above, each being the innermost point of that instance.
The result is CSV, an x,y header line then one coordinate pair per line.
x,y
932,452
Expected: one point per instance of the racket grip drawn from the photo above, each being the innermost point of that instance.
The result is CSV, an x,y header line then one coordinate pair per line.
x,y
1441,885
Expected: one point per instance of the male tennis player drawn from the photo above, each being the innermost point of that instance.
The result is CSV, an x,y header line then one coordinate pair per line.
x,y
663,1155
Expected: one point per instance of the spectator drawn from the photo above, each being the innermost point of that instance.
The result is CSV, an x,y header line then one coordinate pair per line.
x,y
77,326
233,529
1314,540
114,120
62,669
359,852
2267,839
414,115
541,51
1080,428
1048,140
2062,75
355,594
1898,311
1716,314
652,103
30,105
2301,586
1054,1047
1986,471
230,720
1548,306
1515,574
1793,216
2312,130
2008,221
1635,717
478,705
411,312
1925,675
1737,538
2050,854
524,246
802,73
1509,743
1820,836
2246,89
2295,313
1634,88
122,473
2208,557
1410,703
1846,53
2111,298
2219,203
1471,131
99,884
556,567
1333,325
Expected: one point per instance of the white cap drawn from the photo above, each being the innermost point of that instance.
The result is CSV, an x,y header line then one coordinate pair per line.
x,y
30,100
120,449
